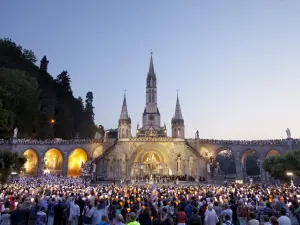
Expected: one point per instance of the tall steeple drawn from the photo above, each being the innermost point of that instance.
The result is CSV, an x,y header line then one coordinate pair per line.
x,y
124,112
124,127
178,122
151,77
151,66
178,114
151,115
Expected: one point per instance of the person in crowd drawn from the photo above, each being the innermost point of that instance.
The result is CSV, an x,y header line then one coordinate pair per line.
x,y
119,220
266,220
211,217
88,215
41,217
145,218
195,218
74,213
16,216
274,220
104,220
132,219
242,213
253,220
227,220
181,216
226,211
5,217
50,212
283,219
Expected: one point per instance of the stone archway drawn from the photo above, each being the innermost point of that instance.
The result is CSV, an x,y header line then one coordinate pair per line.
x,y
151,163
76,158
272,152
250,162
226,160
32,161
149,151
53,161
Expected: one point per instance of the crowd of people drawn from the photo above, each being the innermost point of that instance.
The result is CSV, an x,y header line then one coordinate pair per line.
x,y
58,200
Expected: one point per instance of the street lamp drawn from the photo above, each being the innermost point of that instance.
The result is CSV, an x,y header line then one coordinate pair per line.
x,y
290,174
52,121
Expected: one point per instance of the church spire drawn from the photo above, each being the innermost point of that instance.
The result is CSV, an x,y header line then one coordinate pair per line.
x,y
178,114
151,66
124,112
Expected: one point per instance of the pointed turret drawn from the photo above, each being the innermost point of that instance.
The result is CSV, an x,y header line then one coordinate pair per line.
x,y
151,66
178,114
178,122
151,78
124,127
124,112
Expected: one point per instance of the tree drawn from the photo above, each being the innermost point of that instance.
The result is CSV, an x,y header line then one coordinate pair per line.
x,y
19,94
89,108
10,162
277,166
64,80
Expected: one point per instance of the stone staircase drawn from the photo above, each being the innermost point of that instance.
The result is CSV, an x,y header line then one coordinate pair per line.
x,y
110,149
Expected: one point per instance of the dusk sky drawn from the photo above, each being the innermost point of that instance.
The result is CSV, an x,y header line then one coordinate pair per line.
x,y
236,63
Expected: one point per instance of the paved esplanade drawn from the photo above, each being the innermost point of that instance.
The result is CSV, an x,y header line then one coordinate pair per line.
x,y
119,154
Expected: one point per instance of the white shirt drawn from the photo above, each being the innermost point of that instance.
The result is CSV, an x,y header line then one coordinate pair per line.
x,y
284,220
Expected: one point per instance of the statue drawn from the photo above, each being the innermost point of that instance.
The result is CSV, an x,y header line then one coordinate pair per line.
x,y
94,167
15,133
97,136
208,167
288,133
178,164
197,134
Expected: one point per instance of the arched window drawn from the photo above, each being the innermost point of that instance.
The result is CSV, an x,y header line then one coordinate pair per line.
x,y
178,132
127,134
123,133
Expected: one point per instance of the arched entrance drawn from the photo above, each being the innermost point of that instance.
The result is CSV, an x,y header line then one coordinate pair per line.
x,y
53,161
76,158
250,163
272,152
31,165
226,161
151,163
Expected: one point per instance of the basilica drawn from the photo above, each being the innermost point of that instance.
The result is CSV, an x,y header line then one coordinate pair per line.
x,y
150,151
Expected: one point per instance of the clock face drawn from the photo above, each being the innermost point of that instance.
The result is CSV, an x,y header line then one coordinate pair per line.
x,y
151,117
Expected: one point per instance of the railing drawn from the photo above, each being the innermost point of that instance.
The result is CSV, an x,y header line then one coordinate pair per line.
x,y
247,142
159,138
38,142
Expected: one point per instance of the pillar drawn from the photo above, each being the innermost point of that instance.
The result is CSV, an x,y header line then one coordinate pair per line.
x,y
40,165
238,166
65,164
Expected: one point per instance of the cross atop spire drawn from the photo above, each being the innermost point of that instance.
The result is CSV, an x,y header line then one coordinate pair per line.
x,y
124,112
178,114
